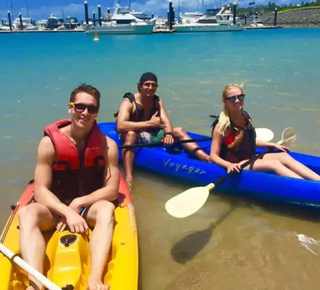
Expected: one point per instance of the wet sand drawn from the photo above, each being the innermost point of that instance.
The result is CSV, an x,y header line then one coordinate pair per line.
x,y
228,244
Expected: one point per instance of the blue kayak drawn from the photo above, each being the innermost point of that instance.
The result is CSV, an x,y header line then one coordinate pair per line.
x,y
256,185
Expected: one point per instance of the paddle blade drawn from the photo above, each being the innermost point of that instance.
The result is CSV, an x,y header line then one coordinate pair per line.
x,y
288,137
264,134
188,202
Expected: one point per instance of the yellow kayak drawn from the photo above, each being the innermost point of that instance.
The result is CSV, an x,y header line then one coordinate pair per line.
x,y
67,261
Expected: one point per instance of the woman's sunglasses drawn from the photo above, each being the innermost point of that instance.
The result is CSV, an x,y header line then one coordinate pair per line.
x,y
81,107
233,98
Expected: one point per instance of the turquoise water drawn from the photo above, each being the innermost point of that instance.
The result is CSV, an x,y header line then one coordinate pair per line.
x,y
280,70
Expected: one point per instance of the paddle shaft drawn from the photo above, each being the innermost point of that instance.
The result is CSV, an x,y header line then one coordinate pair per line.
x,y
254,158
25,266
160,144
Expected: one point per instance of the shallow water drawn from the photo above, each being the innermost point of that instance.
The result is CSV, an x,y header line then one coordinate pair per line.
x,y
230,243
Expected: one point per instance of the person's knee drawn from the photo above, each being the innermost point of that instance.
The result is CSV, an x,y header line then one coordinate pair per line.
x,y
179,132
105,211
27,217
285,158
131,137
275,164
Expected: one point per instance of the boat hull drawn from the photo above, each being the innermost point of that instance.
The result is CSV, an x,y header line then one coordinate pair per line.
x,y
250,184
70,265
206,28
120,29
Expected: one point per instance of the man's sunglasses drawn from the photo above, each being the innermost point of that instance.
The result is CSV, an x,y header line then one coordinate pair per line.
x,y
81,107
233,98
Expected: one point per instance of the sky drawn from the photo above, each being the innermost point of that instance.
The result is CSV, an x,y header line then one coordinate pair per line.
x,y
41,9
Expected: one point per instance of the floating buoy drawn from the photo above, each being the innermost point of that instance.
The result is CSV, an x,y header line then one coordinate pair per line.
x,y
96,38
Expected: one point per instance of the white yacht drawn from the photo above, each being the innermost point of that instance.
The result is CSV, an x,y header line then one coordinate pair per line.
x,y
4,27
27,24
42,24
54,23
257,23
122,22
190,17
212,21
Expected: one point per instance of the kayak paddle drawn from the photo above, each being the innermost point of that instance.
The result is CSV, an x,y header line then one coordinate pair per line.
x,y
29,269
191,200
263,134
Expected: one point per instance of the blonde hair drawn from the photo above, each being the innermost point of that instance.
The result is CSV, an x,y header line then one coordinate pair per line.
x,y
224,119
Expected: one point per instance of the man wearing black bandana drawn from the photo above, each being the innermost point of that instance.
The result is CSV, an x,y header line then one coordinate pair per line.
x,y
142,118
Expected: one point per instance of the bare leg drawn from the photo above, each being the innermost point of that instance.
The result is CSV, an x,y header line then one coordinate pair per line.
x,y
128,155
181,134
101,214
294,165
32,219
272,165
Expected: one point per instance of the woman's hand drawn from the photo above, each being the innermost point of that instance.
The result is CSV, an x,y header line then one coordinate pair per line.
x,y
280,147
233,167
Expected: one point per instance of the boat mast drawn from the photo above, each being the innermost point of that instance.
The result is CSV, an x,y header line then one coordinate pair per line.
x,y
27,8
62,11
179,20
9,6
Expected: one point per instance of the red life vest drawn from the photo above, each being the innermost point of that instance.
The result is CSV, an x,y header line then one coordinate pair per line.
x,y
246,148
75,174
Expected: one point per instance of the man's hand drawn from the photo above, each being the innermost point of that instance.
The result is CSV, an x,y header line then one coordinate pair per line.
x,y
155,121
168,139
75,205
74,221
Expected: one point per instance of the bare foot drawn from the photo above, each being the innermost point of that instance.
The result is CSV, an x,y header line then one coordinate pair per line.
x,y
129,182
97,285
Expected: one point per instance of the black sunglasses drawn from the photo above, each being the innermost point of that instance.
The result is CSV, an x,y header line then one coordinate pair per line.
x,y
233,98
81,107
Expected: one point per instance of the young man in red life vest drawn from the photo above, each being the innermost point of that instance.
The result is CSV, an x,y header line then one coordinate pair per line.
x,y
142,117
77,168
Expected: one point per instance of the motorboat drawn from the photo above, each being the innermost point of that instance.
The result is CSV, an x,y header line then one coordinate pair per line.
x,y
42,24
190,17
54,23
71,23
27,24
122,21
4,27
213,20
257,23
